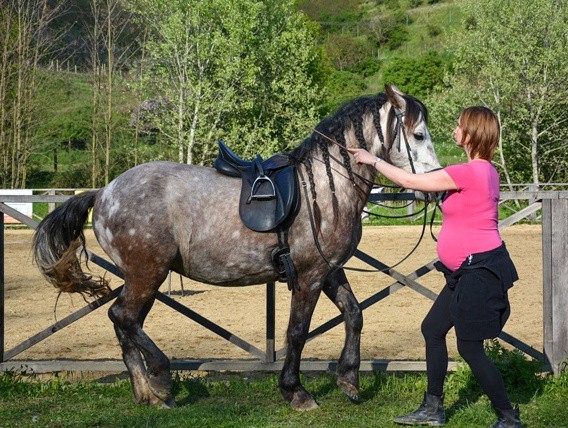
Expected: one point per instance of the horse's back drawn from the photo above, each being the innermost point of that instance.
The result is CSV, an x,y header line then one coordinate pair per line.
x,y
183,217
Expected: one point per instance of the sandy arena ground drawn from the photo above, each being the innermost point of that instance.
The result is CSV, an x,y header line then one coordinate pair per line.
x,y
391,330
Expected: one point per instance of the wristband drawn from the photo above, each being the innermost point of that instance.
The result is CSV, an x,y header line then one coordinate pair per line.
x,y
377,160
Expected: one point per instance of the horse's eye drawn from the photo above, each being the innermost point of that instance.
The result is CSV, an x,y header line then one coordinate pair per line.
x,y
419,137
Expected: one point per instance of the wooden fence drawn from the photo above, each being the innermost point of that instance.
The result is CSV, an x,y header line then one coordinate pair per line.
x,y
554,206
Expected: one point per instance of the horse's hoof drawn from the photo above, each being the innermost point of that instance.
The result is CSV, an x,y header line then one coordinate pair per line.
x,y
160,403
161,387
170,403
303,404
350,390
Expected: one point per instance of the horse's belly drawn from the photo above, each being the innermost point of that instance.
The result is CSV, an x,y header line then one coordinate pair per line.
x,y
231,273
231,260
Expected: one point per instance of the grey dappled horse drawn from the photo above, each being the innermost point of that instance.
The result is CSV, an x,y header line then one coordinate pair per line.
x,y
163,216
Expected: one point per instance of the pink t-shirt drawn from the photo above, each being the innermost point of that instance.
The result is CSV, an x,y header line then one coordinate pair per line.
x,y
470,213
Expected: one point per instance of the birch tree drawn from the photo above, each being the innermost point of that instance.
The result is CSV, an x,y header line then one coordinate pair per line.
x,y
7,36
112,44
513,57
27,40
223,68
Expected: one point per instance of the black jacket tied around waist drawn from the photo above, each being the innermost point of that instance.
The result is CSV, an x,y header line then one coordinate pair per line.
x,y
480,305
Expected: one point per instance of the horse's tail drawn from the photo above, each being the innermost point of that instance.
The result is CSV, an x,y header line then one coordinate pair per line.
x,y
55,245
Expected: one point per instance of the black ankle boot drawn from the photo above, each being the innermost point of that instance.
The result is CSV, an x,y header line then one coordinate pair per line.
x,y
508,418
430,412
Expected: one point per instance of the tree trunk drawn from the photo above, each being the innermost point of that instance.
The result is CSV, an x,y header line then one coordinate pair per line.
x,y
191,141
534,155
55,160
109,88
502,158
95,85
180,120
5,77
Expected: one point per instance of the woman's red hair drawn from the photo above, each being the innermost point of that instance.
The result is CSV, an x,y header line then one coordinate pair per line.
x,y
482,127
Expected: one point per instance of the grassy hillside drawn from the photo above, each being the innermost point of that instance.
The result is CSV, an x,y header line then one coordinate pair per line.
x,y
357,62
62,154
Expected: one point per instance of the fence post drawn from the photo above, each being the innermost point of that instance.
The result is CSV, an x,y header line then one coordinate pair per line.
x,y
1,287
555,282
270,322
50,205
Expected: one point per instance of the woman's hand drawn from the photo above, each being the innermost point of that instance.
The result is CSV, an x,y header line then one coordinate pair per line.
x,y
362,156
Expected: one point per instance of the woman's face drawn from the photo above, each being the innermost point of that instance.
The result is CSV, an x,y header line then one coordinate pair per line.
x,y
458,134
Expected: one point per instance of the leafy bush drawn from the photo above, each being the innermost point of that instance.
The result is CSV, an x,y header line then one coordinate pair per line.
x,y
342,86
336,10
368,66
416,76
343,16
345,51
433,30
397,29
77,176
519,373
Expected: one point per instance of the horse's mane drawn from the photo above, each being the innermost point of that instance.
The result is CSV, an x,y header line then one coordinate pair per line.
x,y
333,128
351,113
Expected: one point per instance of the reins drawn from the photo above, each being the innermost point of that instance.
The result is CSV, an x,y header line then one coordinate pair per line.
x,y
342,266
401,134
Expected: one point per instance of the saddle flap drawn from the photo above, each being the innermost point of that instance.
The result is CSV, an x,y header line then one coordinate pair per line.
x,y
269,192
266,214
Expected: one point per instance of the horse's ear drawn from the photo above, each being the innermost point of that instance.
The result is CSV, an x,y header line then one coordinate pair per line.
x,y
395,97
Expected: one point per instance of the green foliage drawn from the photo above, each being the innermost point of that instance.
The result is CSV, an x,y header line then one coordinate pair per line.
x,y
347,16
520,374
434,30
519,70
79,176
396,31
342,86
335,11
347,53
247,76
416,76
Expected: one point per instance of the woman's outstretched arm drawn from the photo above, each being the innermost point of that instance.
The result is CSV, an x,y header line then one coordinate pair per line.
x,y
435,181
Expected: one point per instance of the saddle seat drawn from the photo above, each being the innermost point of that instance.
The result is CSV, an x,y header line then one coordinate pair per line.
x,y
269,197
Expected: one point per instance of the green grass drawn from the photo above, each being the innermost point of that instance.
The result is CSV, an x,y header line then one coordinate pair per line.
x,y
253,400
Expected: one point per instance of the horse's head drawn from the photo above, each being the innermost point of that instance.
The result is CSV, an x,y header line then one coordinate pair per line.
x,y
407,142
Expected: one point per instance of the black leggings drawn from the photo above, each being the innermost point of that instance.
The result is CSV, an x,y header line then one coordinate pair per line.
x,y
434,328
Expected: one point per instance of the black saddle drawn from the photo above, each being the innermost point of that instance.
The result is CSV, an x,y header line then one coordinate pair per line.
x,y
270,191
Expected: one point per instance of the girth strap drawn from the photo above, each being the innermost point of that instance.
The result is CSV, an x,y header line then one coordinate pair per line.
x,y
283,262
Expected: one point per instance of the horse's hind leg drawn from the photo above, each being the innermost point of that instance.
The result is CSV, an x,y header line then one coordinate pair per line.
x,y
151,378
135,364
337,288
303,304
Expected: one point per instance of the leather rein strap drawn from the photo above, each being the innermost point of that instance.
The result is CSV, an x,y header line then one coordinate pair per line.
x,y
400,132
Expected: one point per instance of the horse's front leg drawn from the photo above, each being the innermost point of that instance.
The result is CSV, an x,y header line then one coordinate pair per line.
x,y
337,288
303,304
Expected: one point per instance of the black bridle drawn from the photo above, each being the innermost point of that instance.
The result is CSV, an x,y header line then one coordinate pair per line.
x,y
400,133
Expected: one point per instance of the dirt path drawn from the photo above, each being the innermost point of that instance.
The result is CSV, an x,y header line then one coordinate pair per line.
x,y
391,330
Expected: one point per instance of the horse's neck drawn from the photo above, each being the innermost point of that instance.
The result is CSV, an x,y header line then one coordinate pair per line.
x,y
351,191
